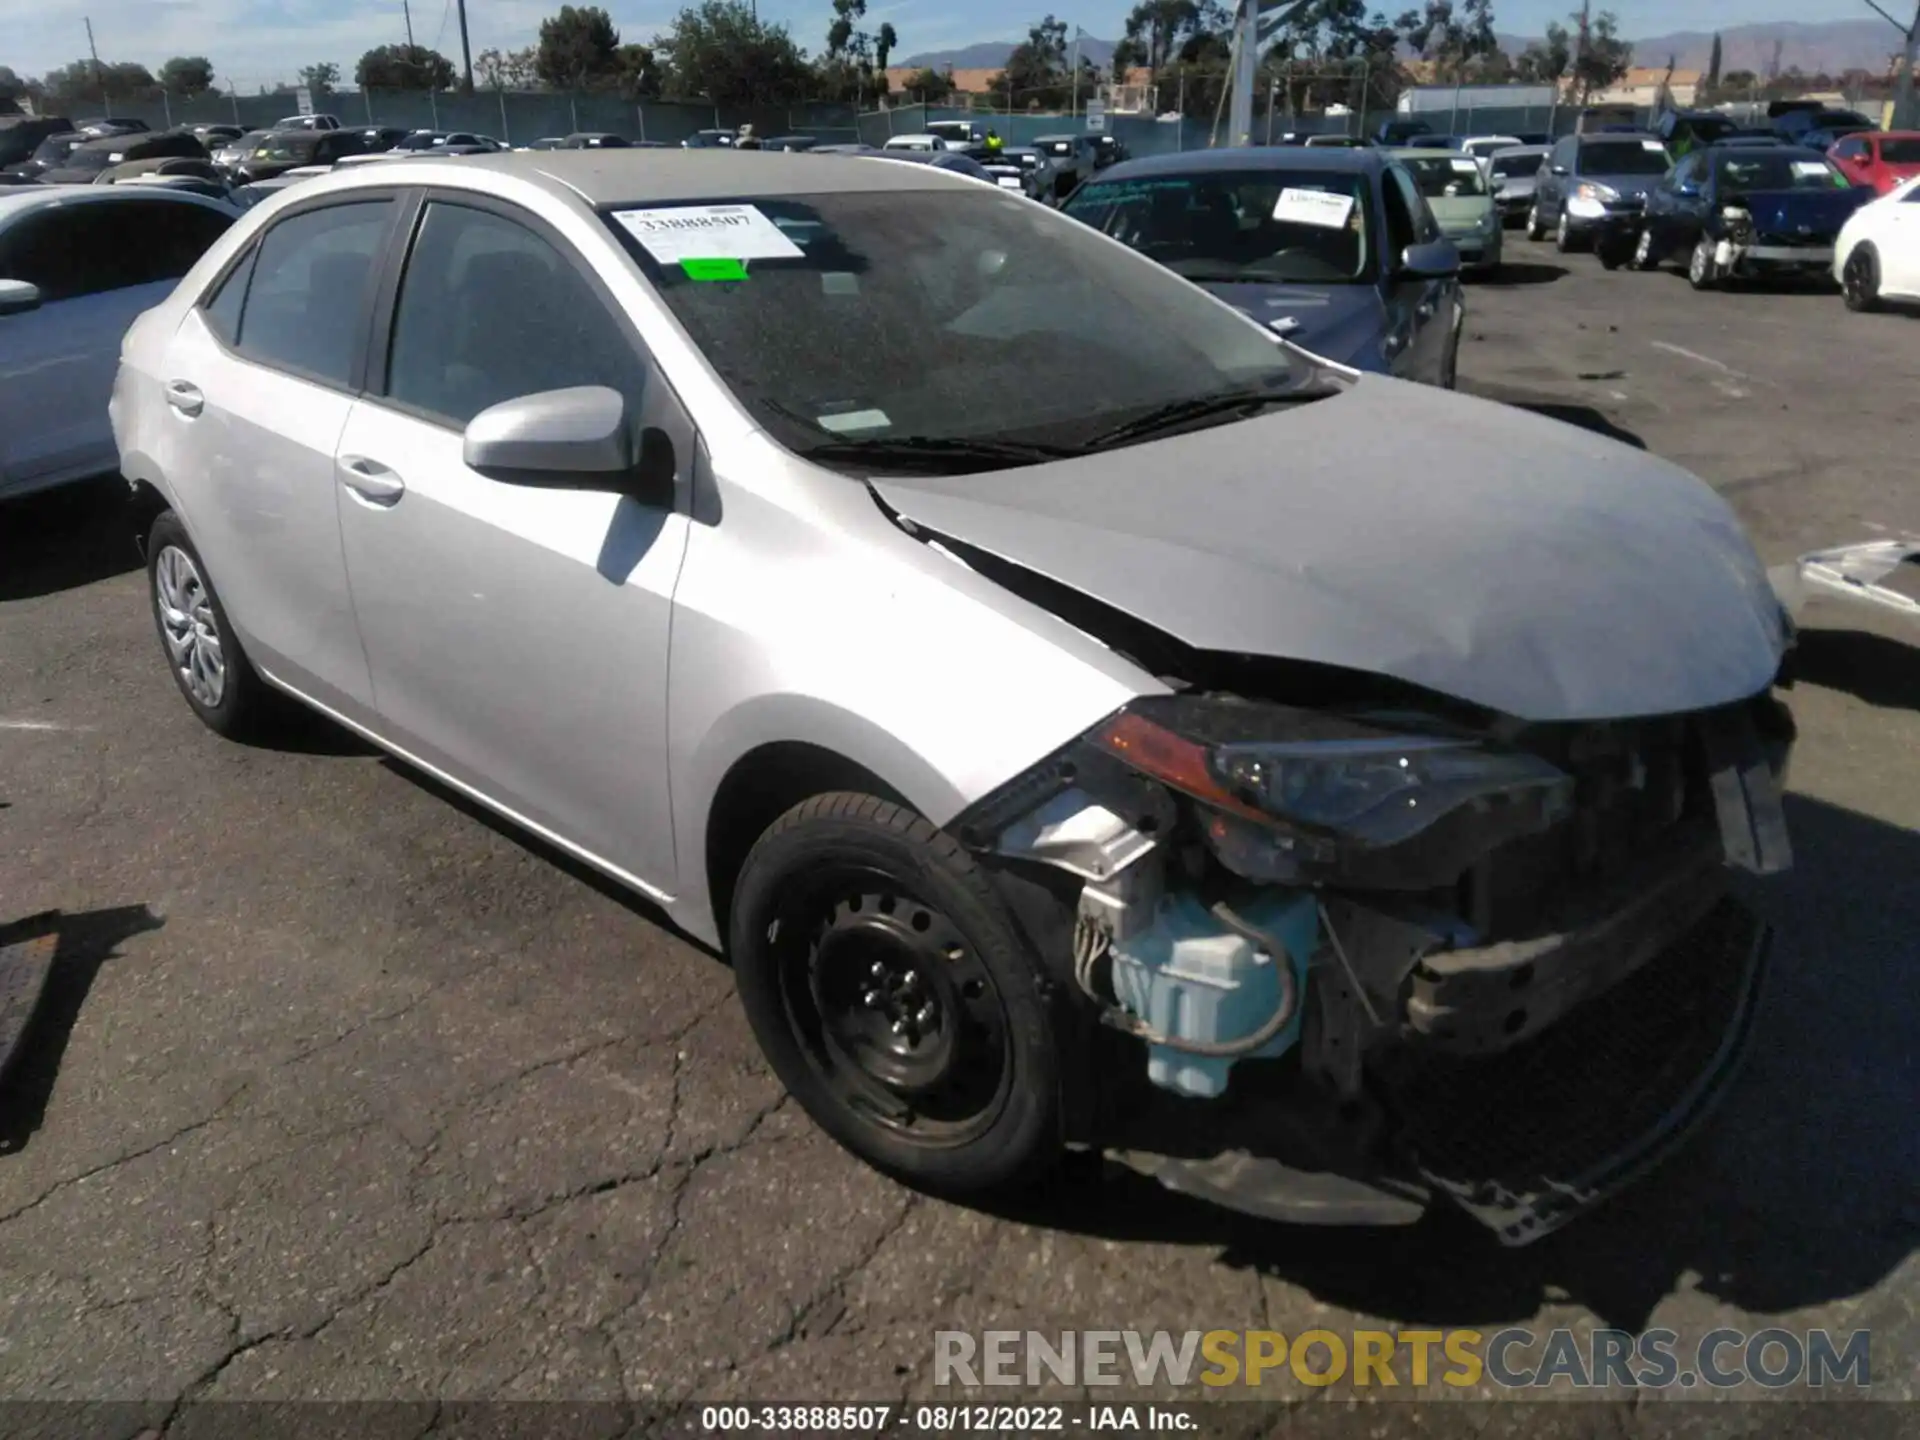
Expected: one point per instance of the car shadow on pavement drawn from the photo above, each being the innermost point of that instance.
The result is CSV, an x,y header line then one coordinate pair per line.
x,y
1568,413
1514,273
87,940
64,538
1875,668
1799,1191
552,854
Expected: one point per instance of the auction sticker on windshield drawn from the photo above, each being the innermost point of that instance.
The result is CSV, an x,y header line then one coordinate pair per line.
x,y
1313,207
708,232
1653,147
1466,167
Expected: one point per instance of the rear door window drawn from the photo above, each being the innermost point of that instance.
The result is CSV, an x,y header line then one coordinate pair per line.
x,y
307,298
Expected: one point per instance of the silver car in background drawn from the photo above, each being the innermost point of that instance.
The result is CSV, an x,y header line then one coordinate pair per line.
x,y
1513,173
1232,764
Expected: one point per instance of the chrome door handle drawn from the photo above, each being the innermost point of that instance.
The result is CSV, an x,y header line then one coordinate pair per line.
x,y
370,480
185,398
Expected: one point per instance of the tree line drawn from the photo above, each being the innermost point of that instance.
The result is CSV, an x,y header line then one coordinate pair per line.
x,y
716,52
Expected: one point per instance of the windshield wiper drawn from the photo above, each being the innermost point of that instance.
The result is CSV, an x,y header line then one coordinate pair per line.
x,y
956,454
1240,404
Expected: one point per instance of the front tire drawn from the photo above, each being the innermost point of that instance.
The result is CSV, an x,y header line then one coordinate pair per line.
x,y
1536,228
1860,279
1564,239
203,654
1643,251
1702,272
892,994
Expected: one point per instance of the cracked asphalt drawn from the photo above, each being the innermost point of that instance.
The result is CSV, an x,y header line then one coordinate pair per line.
x,y
342,1091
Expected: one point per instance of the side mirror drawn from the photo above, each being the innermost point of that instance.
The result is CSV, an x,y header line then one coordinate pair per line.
x,y
1433,260
577,439
17,297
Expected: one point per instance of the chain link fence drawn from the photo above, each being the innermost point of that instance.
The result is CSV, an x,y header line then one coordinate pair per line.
x,y
516,117
519,117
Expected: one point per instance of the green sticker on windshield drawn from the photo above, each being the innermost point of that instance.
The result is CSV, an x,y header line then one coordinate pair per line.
x,y
718,268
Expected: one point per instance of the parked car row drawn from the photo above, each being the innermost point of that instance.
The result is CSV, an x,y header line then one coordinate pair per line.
x,y
1734,207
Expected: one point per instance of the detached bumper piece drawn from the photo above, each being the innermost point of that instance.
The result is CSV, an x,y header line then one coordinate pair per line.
x,y
1526,1140
1854,573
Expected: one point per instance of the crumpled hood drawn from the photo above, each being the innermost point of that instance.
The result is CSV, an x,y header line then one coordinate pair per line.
x,y
1797,212
1391,530
1335,322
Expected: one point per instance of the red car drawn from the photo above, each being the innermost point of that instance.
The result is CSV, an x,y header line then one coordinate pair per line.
x,y
1878,159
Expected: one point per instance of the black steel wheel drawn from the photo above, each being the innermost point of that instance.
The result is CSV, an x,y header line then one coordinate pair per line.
x,y
891,993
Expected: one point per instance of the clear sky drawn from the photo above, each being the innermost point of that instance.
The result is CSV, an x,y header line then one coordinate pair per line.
x,y
260,41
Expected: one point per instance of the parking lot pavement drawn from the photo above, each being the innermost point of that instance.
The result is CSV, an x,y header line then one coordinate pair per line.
x,y
343,1091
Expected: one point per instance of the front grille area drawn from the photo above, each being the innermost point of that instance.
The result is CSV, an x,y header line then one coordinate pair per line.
x,y
1636,783
1526,1139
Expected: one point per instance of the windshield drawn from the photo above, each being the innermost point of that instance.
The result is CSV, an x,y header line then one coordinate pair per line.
x,y
951,315
1447,179
1510,165
1758,170
1901,152
87,158
1707,128
1624,157
1253,226
286,147
56,148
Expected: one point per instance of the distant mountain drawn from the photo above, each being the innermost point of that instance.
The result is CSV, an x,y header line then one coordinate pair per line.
x,y
992,55
1832,46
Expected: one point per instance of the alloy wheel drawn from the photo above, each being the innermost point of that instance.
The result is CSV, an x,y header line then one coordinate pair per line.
x,y
1643,251
1700,266
189,626
1857,281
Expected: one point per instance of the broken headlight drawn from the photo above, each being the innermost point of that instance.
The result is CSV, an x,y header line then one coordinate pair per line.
x,y
1292,794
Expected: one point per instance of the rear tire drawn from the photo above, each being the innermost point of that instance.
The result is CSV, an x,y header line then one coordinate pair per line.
x,y
203,654
892,994
1860,279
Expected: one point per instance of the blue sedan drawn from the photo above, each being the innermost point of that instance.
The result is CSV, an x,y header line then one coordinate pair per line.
x,y
1334,249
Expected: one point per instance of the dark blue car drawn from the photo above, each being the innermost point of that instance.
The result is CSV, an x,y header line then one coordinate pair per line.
x,y
1743,211
1334,249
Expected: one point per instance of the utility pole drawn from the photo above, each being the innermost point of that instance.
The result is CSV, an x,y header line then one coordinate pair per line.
x,y
1904,116
407,11
98,78
1245,59
1074,107
466,51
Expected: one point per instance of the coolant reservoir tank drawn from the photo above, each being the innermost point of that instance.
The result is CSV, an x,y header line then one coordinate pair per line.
x,y
1190,977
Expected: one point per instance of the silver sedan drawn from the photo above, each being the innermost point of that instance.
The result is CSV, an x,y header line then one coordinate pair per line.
x,y
1082,717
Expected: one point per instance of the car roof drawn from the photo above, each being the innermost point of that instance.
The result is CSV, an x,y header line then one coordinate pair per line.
x,y
632,176
1423,152
1520,150
1595,136
1797,153
17,200
1334,159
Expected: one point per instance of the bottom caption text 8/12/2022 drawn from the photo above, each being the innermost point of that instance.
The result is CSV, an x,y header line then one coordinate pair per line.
x,y
944,1419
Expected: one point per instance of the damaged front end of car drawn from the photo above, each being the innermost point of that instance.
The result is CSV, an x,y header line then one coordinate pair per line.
x,y
1334,961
